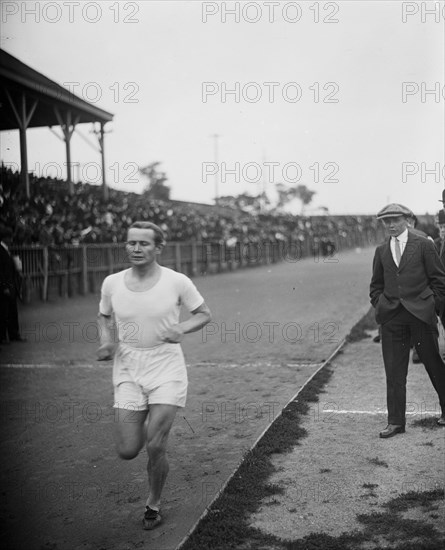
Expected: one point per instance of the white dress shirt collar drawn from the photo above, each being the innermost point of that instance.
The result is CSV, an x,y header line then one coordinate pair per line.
x,y
403,237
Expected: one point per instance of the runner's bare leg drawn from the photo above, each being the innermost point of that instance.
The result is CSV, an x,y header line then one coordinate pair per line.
x,y
129,432
160,421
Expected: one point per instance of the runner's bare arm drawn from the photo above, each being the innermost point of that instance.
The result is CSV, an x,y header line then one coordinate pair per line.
x,y
106,333
200,317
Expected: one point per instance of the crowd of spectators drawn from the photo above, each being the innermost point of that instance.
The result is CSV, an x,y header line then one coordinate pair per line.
x,y
53,216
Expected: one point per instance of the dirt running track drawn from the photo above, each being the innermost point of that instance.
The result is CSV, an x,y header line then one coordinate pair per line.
x,y
63,488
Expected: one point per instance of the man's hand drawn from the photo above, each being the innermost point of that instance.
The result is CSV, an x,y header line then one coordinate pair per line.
x,y
106,352
173,335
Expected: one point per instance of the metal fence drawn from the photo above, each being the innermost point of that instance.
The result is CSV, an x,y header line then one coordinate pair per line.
x,y
62,271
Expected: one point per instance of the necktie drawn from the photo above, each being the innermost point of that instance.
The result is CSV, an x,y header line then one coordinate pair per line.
x,y
398,252
441,248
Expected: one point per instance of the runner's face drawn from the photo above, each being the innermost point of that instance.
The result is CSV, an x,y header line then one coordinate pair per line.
x,y
395,225
140,246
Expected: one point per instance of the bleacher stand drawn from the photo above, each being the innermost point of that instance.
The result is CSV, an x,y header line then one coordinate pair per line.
x,y
54,217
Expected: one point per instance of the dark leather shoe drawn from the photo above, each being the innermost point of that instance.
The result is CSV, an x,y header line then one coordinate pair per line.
x,y
441,421
392,430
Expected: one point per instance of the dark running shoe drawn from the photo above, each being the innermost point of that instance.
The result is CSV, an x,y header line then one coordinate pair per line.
x,y
152,519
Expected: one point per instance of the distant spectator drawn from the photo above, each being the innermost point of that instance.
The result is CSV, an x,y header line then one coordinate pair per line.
x,y
10,283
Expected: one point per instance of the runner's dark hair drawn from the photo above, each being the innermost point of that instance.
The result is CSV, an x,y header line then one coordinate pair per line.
x,y
159,234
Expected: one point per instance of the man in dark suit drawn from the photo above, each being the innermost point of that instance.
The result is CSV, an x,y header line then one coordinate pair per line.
x,y
440,247
407,289
9,290
440,241
412,226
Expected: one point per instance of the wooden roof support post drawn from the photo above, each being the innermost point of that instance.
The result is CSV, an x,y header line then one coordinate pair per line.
x,y
24,176
67,133
23,118
102,154
67,128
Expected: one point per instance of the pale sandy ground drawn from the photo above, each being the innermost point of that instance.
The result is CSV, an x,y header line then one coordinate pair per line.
x,y
323,477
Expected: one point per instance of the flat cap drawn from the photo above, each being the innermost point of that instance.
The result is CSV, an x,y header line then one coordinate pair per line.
x,y
394,209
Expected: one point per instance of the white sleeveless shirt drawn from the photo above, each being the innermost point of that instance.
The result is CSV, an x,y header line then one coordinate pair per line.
x,y
143,316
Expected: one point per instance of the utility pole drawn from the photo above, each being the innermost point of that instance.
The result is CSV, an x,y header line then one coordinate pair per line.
x,y
100,135
263,184
215,145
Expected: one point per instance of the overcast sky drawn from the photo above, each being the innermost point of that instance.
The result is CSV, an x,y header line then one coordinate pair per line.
x,y
319,103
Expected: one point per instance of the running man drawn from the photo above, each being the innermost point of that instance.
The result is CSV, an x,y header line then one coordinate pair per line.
x,y
149,372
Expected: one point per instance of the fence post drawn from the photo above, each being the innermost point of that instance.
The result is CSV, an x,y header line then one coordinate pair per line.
x,y
110,260
279,250
272,251
336,244
194,259
241,253
178,257
84,270
305,249
206,257
45,274
220,256
315,247
69,276
266,251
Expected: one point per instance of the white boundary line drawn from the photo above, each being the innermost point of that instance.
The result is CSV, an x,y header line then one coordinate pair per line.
x,y
223,486
94,364
344,411
49,365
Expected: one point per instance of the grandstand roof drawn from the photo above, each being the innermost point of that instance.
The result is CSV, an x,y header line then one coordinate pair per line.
x,y
18,78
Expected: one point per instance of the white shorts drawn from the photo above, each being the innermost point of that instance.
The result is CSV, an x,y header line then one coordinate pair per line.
x,y
148,376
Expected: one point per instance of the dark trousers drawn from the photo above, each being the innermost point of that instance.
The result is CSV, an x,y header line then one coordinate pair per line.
x,y
9,318
398,334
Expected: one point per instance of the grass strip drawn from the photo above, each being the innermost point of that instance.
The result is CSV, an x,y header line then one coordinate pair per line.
x,y
360,330
226,524
429,423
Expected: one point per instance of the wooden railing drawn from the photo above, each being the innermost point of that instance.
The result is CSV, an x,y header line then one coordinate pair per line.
x,y
52,271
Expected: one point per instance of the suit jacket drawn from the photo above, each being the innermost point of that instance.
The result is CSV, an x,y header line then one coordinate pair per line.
x,y
418,283
438,244
9,276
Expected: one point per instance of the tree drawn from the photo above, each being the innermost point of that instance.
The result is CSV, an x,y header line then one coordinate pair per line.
x,y
288,194
244,202
155,188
